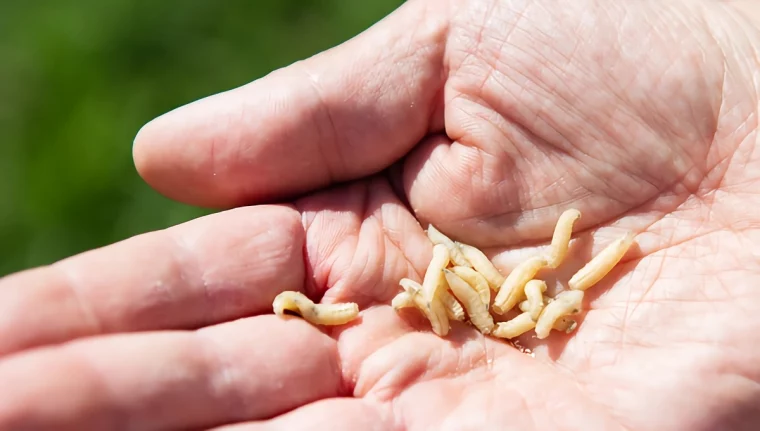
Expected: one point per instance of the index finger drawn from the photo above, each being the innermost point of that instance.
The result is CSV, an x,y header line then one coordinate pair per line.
x,y
220,267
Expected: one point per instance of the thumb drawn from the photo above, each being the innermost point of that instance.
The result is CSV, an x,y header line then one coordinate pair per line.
x,y
346,113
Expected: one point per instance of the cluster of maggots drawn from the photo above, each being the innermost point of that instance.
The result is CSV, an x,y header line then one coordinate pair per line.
x,y
460,279
459,282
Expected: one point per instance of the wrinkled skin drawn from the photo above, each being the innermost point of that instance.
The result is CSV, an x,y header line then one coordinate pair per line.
x,y
487,119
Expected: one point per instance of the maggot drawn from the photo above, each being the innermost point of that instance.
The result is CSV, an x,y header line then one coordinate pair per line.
x,y
513,289
564,304
524,323
476,309
434,310
434,282
515,327
561,238
534,291
405,299
483,265
454,309
476,280
436,237
402,300
318,314
601,264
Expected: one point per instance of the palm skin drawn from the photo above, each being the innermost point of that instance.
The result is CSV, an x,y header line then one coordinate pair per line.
x,y
486,119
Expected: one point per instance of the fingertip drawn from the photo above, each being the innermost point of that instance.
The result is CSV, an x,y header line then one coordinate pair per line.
x,y
175,154
143,154
151,158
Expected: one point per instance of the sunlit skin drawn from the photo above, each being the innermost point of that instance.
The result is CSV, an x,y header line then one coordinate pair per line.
x,y
487,119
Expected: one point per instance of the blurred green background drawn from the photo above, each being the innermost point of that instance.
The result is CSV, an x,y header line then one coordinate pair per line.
x,y
78,78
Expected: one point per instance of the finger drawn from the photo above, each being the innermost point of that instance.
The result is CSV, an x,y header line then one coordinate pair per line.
x,y
334,414
209,270
340,115
246,370
486,203
360,241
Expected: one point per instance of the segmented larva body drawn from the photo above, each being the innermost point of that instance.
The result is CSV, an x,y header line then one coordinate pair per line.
x,y
454,310
515,327
476,309
483,265
476,280
433,281
513,289
317,314
434,310
524,323
564,304
561,238
601,264
455,253
534,291
402,300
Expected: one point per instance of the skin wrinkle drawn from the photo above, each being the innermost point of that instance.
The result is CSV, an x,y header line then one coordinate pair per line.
x,y
240,151
388,237
550,68
335,143
372,255
707,299
514,180
620,103
410,53
314,262
437,365
367,217
175,267
723,101
118,418
87,312
329,272
722,285
657,274
723,165
468,53
182,248
380,390
478,155
706,84
430,38
310,283
514,121
467,139
346,386
665,30
223,377
539,83
370,219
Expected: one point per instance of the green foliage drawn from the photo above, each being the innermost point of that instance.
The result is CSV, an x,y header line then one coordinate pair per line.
x,y
78,78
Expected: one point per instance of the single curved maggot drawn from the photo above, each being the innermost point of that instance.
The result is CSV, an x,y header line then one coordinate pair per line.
x,y
601,264
318,314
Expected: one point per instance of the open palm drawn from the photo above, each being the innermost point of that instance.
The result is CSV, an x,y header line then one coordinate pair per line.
x,y
487,119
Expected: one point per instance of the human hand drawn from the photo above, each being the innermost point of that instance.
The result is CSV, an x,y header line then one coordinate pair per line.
x,y
500,115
